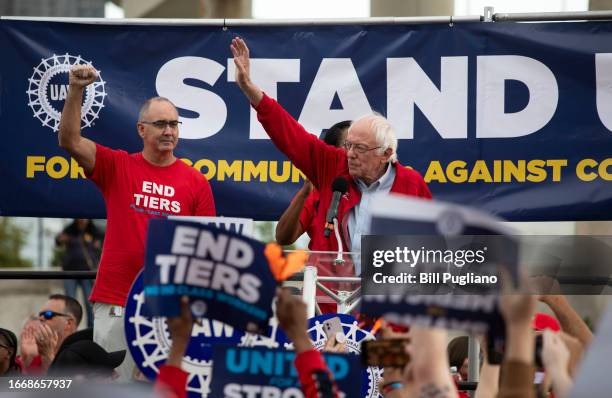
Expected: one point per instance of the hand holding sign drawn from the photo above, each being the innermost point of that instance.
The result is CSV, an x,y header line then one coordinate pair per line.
x,y
291,314
180,330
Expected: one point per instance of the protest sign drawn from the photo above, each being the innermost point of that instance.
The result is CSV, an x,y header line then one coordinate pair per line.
x,y
428,263
225,275
261,372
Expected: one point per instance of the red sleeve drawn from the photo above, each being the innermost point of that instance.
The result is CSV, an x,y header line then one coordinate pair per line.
x,y
171,382
316,380
424,191
308,211
205,200
309,154
104,167
35,368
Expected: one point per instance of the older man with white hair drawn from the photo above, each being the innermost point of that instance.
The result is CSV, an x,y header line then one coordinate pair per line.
x,y
368,161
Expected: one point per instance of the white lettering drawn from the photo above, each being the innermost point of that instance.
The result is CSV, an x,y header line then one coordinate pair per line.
x,y
492,121
335,76
446,108
211,109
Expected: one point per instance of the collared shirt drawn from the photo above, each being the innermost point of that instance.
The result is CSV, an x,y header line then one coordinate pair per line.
x,y
359,217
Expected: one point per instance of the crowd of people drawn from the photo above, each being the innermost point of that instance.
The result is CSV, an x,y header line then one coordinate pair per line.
x,y
154,183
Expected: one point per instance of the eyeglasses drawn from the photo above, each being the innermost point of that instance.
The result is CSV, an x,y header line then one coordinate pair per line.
x,y
359,148
162,124
48,314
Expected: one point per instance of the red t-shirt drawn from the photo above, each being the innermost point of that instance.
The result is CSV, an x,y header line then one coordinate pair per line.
x,y
135,191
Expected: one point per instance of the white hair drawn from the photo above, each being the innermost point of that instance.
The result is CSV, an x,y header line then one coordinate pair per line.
x,y
384,133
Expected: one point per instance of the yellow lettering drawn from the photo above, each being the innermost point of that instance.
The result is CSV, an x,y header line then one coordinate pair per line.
x,y
274,177
497,171
511,170
480,172
582,173
603,169
210,166
76,171
435,172
250,170
296,174
63,164
34,164
456,171
556,165
235,170
188,162
536,171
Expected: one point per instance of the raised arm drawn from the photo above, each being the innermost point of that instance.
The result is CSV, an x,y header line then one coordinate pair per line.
x,y
243,73
83,150
571,323
305,150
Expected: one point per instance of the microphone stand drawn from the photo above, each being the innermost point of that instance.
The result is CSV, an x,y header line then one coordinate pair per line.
x,y
340,258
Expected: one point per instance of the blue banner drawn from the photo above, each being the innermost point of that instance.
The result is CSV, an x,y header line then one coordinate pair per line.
x,y
225,275
262,372
514,119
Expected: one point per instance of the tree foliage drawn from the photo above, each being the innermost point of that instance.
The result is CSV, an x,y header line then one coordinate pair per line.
x,y
12,240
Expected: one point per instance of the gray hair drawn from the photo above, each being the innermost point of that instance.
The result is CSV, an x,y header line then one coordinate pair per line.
x,y
147,104
384,133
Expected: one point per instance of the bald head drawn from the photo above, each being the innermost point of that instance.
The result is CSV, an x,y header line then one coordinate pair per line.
x,y
144,109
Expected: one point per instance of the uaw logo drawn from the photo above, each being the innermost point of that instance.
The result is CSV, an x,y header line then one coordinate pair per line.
x,y
48,87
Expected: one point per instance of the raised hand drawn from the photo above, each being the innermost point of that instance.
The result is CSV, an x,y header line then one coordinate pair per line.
x,y
240,51
180,330
82,76
242,60
27,345
291,314
47,343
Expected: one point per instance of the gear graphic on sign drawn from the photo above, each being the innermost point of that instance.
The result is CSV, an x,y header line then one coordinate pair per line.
x,y
153,341
354,337
38,98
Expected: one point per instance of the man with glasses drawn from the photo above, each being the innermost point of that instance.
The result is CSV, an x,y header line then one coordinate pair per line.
x,y
136,187
368,161
58,318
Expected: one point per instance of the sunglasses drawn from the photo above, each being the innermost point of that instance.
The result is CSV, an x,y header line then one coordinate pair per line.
x,y
51,314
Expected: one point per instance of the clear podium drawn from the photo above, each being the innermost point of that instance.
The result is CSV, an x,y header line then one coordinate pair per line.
x,y
328,279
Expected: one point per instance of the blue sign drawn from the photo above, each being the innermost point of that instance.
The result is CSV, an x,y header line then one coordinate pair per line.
x,y
511,118
149,343
225,275
261,372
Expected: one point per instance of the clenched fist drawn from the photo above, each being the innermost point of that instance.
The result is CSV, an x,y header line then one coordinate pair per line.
x,y
82,76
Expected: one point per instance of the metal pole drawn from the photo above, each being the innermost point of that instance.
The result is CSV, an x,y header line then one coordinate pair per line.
x,y
309,289
553,16
39,261
473,359
258,22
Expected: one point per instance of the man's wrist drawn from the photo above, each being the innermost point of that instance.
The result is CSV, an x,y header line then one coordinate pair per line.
x,y
302,343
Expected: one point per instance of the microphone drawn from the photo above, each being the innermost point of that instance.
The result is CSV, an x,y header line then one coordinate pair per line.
x,y
339,187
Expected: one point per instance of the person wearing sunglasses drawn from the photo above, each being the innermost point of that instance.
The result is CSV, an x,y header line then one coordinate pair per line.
x,y
368,161
58,318
152,183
